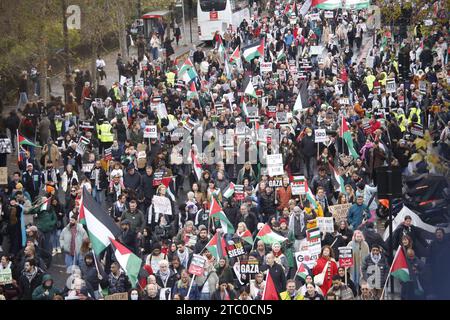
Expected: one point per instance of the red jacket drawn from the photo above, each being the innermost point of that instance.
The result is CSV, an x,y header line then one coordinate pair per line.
x,y
332,270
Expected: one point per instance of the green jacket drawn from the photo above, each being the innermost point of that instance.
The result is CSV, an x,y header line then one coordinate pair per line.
x,y
46,220
39,292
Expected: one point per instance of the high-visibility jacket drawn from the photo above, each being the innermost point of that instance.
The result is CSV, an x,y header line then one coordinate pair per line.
x,y
58,125
414,111
369,81
286,296
170,78
104,133
401,119
116,93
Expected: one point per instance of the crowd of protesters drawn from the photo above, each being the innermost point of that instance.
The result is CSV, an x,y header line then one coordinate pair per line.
x,y
124,169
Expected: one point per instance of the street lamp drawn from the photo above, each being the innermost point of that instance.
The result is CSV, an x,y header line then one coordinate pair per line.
x,y
68,83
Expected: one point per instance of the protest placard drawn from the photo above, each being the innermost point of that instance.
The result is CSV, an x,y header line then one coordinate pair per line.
x,y
325,224
265,67
82,145
87,167
162,205
150,132
117,296
3,175
390,86
192,240
282,117
197,265
239,192
306,258
165,293
320,135
298,185
5,276
249,267
275,164
235,249
345,257
417,129
340,211
329,14
275,182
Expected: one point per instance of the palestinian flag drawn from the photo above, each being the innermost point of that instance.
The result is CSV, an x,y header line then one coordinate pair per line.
x,y
219,251
187,71
129,262
281,55
310,196
22,141
302,271
169,183
192,93
216,211
230,190
253,51
197,166
236,56
270,291
312,234
347,136
101,227
45,205
250,90
221,49
247,237
399,267
338,181
268,236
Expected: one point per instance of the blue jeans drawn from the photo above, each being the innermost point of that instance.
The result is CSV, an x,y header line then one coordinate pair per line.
x,y
55,238
23,99
69,260
99,195
48,238
205,296
155,53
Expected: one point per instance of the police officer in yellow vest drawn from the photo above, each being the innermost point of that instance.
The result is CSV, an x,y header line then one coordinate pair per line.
x,y
401,119
414,115
58,125
291,293
105,135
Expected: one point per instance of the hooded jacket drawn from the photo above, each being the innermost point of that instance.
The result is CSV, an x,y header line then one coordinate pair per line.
x,y
40,292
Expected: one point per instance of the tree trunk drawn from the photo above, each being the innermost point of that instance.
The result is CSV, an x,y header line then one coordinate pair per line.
x,y
122,34
93,66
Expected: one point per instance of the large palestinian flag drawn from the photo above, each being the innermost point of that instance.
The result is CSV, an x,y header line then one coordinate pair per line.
x,y
399,267
22,141
129,262
270,291
253,51
216,211
217,246
268,236
101,227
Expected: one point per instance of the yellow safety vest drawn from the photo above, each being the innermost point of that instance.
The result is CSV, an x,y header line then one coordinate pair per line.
x,y
58,125
369,81
415,111
170,78
383,81
401,119
117,93
285,296
105,134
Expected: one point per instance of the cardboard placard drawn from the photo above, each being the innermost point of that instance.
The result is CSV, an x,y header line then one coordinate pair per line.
x,y
197,266
3,175
340,211
117,296
345,257
142,155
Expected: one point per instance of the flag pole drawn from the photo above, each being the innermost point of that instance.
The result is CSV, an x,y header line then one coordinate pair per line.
x,y
98,272
265,286
389,273
190,286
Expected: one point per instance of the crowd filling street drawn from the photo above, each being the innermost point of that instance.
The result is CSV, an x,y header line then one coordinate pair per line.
x,y
246,171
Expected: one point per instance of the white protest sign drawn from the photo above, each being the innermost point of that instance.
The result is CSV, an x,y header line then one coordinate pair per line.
x,y
150,132
265,67
275,164
329,14
298,185
5,276
306,258
298,103
325,224
197,265
390,86
162,205
82,144
320,135
314,16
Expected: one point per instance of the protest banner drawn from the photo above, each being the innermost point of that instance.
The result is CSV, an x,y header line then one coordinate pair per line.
x,y
325,224
235,249
345,257
320,135
197,266
3,175
275,164
340,211
117,296
151,132
5,276
162,205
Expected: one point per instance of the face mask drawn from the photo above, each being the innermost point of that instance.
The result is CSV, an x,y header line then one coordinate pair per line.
x,y
134,297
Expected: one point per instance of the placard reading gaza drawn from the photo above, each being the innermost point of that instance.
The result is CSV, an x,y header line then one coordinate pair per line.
x,y
235,250
249,267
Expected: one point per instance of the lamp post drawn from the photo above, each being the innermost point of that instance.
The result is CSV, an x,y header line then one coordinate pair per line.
x,y
68,83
